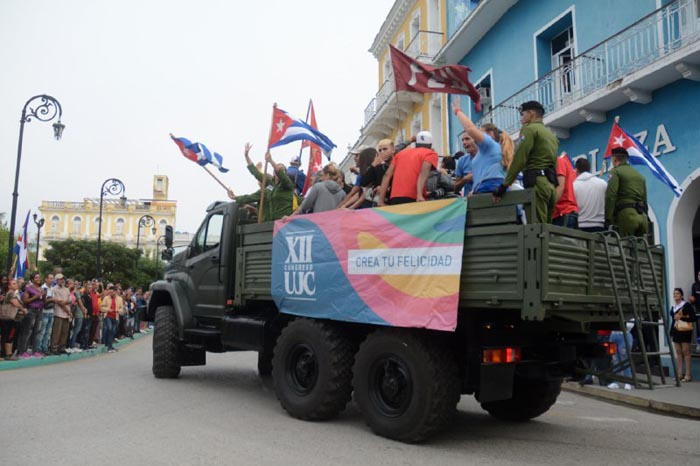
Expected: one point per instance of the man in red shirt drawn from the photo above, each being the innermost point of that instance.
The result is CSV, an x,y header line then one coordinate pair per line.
x,y
566,208
409,171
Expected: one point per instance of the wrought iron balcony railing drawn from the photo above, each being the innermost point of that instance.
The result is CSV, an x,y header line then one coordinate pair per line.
x,y
640,45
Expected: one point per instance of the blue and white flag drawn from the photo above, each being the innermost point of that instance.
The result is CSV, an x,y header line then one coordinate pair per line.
x,y
286,129
639,155
21,250
199,153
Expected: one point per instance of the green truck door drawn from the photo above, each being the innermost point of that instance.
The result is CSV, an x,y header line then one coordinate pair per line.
x,y
206,270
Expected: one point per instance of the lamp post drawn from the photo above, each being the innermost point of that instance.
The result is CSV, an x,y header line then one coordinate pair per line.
x,y
39,224
114,187
145,221
43,108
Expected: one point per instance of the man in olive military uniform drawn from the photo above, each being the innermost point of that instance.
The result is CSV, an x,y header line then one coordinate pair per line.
x,y
536,157
626,197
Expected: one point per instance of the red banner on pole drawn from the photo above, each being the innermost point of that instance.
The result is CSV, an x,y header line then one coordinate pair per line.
x,y
315,158
414,76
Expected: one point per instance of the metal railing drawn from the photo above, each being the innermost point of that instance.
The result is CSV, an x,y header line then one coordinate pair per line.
x,y
645,42
424,45
62,205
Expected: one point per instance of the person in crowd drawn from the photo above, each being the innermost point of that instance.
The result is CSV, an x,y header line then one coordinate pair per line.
x,y
140,309
363,192
31,324
42,342
448,165
409,171
505,141
683,315
324,195
488,165
626,197
97,315
279,200
536,157
86,300
8,328
62,316
463,170
566,209
694,299
79,313
377,170
590,197
129,311
112,306
297,175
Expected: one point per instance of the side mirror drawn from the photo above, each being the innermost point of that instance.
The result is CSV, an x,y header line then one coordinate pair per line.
x,y
168,237
166,255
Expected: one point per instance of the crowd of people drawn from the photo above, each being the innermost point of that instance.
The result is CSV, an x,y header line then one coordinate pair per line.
x,y
58,315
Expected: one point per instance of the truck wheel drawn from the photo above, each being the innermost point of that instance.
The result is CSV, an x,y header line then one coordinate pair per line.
x,y
312,370
166,355
530,399
406,388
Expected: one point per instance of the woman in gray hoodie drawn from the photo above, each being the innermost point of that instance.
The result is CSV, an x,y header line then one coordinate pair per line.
x,y
324,195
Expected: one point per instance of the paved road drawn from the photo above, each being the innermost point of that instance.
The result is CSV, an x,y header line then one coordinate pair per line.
x,y
109,410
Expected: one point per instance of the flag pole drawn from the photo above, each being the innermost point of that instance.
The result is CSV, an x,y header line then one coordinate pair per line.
x,y
214,176
263,188
301,149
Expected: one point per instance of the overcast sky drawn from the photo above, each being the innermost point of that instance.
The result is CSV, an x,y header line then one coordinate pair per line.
x,y
129,72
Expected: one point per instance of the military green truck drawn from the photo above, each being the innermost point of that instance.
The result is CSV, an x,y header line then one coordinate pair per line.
x,y
529,301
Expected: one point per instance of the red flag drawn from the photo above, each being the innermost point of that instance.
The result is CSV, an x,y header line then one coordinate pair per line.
x,y
414,76
315,160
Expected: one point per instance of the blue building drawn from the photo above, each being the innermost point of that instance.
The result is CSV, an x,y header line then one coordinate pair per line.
x,y
588,61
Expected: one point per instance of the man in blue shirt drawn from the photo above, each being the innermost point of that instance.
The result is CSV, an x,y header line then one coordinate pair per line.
x,y
463,171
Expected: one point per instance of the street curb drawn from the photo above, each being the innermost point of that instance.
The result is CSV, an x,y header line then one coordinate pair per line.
x,y
34,362
625,397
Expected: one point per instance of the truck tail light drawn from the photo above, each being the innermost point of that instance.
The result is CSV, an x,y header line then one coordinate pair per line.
x,y
604,333
610,348
501,355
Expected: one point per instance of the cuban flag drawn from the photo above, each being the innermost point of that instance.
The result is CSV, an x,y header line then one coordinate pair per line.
x,y
286,129
199,153
21,251
639,155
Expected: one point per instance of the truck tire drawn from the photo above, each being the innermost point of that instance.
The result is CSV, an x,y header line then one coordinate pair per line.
x,y
406,387
166,345
530,399
312,370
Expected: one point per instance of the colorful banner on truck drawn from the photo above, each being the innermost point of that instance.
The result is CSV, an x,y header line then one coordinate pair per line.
x,y
396,266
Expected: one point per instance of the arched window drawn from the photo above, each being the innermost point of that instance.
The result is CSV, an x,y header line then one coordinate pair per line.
x,y
120,226
77,221
54,223
161,226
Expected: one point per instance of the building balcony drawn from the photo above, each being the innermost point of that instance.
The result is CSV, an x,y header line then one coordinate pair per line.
x,y
627,67
388,108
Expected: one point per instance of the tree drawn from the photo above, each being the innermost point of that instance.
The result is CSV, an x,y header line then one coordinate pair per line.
x,y
4,238
77,259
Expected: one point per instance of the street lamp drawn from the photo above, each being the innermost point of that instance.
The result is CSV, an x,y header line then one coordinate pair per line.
x,y
39,224
45,108
145,221
114,187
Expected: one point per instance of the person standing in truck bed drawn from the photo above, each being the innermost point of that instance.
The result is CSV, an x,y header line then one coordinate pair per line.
x,y
536,157
279,196
626,197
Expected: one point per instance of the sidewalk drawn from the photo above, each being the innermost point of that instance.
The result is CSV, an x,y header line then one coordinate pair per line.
x,y
671,400
33,362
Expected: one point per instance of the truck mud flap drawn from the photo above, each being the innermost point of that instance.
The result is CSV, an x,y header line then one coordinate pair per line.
x,y
192,355
496,382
